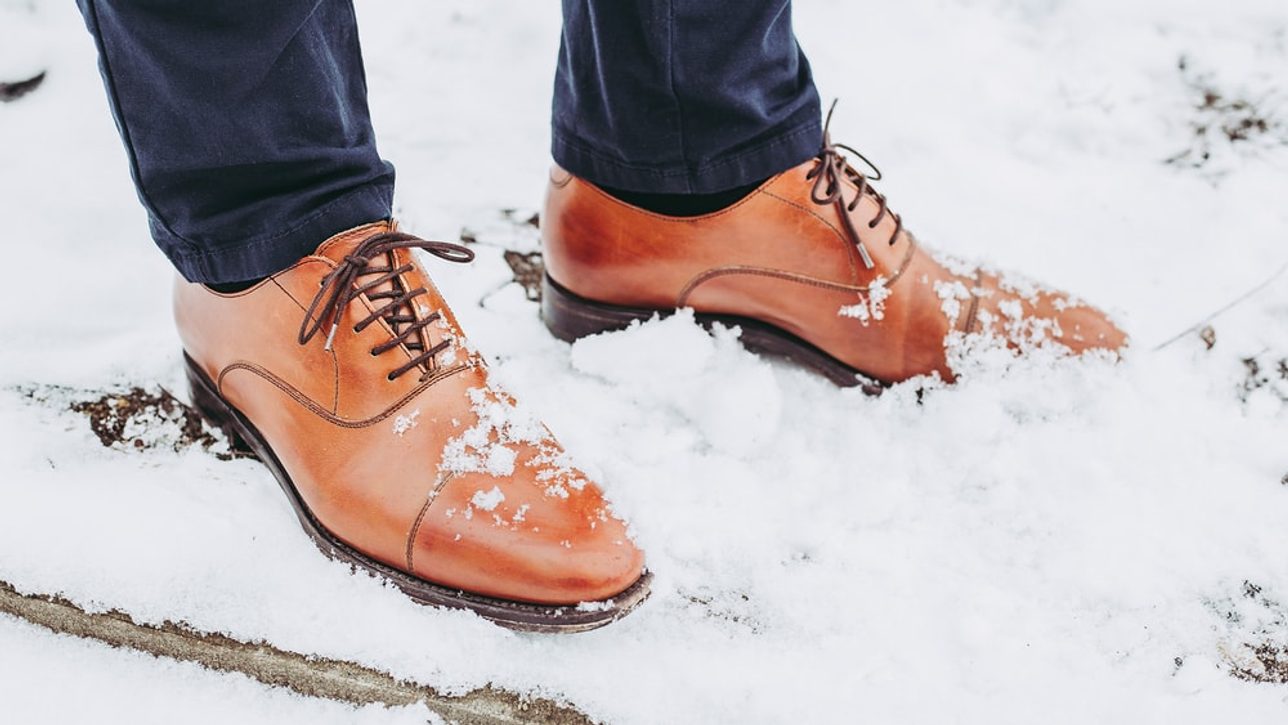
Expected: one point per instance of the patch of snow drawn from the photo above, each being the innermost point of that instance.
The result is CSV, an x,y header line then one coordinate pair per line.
x,y
951,295
488,500
955,265
872,306
404,423
485,447
1020,285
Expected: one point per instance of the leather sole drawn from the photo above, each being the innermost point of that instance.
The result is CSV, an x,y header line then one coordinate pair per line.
x,y
522,616
570,317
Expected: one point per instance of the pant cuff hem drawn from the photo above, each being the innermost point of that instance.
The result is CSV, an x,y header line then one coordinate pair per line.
x,y
266,255
780,152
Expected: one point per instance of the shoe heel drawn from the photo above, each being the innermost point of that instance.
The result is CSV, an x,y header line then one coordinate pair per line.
x,y
211,407
569,317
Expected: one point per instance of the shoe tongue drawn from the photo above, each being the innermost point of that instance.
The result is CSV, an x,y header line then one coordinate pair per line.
x,y
341,245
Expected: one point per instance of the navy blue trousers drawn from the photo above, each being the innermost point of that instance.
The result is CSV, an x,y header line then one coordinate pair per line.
x,y
249,139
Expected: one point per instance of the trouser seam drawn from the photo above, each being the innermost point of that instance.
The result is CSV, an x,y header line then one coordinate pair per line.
x,y
675,96
126,136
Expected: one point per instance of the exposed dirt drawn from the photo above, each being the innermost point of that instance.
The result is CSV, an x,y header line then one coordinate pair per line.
x,y
1271,665
1256,624
514,215
528,270
1224,119
138,419
1271,372
14,90
514,232
1208,336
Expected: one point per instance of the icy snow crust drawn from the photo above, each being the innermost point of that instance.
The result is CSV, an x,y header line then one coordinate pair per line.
x,y
1047,540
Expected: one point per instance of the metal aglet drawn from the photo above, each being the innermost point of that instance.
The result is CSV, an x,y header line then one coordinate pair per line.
x,y
330,336
867,258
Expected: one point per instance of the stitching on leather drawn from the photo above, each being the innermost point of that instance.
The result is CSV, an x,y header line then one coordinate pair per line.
x,y
443,478
973,312
335,361
971,315
325,414
811,212
906,262
711,274
845,242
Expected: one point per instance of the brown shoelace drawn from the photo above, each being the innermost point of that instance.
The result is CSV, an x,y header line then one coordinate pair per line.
x,y
828,174
339,288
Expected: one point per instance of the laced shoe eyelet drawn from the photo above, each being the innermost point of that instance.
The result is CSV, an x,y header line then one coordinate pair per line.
x,y
872,225
374,353
342,285
390,377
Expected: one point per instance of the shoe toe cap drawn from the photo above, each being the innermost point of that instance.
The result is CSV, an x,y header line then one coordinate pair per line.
x,y
549,541
1029,315
1086,328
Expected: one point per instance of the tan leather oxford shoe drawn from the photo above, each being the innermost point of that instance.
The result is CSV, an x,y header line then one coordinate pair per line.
x,y
349,377
812,265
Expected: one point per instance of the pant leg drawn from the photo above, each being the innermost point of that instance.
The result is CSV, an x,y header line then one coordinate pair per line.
x,y
246,126
682,96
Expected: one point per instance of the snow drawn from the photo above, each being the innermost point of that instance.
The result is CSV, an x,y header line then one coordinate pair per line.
x,y
1046,540
404,423
488,500
482,447
872,305
119,685
951,295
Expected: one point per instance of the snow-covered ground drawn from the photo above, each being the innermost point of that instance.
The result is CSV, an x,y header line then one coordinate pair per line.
x,y
48,679
1049,540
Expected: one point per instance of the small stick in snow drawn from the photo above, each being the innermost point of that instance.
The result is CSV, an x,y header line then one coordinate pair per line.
x,y
1241,299
14,91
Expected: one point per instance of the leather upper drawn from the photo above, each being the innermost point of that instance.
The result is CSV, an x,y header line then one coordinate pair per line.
x,y
435,473
779,257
